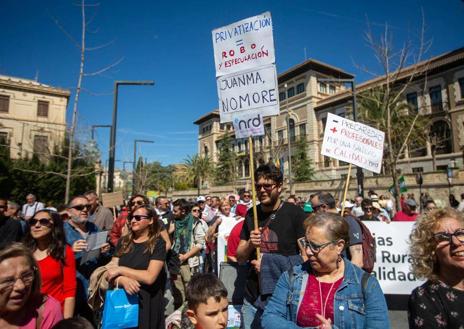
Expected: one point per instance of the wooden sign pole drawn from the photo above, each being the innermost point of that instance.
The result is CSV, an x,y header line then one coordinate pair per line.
x,y
347,184
253,191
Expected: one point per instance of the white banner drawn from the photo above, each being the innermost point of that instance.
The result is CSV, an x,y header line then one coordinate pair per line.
x,y
253,91
393,264
353,142
244,44
248,125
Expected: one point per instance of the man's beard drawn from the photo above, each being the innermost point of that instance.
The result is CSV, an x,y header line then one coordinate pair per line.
x,y
78,220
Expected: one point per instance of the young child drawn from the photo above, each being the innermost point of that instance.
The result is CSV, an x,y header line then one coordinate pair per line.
x,y
207,302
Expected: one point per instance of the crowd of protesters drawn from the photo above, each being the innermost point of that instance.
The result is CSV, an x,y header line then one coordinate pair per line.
x,y
304,266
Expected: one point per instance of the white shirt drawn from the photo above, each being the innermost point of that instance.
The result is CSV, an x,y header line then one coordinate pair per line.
x,y
30,209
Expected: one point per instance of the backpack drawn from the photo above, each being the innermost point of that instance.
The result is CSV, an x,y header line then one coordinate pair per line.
x,y
369,247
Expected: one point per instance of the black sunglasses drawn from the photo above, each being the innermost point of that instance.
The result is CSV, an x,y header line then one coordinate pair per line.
x,y
81,207
139,217
41,221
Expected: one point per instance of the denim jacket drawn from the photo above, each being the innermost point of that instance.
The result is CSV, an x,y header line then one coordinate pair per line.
x,y
351,309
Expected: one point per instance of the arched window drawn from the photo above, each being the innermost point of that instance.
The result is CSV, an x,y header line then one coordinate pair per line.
x,y
206,151
291,129
246,164
440,137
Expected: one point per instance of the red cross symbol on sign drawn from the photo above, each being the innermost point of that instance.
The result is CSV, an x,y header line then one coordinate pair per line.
x,y
334,130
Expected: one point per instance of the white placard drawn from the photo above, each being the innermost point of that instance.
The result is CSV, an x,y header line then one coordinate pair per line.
x,y
393,264
224,229
248,125
244,44
254,91
353,142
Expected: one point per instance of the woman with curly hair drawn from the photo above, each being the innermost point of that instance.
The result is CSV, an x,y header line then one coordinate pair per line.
x,y
437,253
57,265
140,258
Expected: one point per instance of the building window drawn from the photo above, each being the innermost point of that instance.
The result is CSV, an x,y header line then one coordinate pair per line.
x,y
280,136
222,126
40,145
326,162
291,92
206,151
411,98
300,88
440,137
4,142
4,103
417,170
323,123
42,109
268,133
303,130
246,164
461,87
282,96
291,129
435,99
331,89
322,88
417,149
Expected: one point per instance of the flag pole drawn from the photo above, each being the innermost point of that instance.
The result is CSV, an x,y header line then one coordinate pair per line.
x,y
253,191
347,184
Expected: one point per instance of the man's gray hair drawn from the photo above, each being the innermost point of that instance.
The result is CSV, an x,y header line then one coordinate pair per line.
x,y
30,195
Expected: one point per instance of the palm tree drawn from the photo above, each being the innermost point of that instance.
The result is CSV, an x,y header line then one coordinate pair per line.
x,y
198,169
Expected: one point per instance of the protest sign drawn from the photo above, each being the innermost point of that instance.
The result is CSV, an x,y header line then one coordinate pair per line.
x,y
248,125
393,264
353,142
244,44
111,200
253,91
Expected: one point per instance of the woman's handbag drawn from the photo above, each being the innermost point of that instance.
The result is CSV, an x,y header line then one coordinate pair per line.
x,y
120,310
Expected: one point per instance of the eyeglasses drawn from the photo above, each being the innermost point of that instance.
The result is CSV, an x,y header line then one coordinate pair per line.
x,y
195,210
266,187
138,203
81,207
448,237
26,278
246,195
317,207
368,209
139,217
3,206
314,247
41,221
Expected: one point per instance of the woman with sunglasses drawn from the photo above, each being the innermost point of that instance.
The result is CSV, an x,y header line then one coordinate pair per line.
x,y
120,226
437,255
22,305
140,259
57,266
327,290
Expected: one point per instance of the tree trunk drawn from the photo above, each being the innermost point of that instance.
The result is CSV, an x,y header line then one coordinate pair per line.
x,y
74,115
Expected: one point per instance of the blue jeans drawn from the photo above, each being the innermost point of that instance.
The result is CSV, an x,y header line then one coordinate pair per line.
x,y
251,316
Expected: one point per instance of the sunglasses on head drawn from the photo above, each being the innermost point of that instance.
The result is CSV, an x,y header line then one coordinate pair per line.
x,y
139,217
81,207
137,203
41,221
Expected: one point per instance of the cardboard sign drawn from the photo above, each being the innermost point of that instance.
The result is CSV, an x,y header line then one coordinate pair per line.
x,y
243,45
353,142
111,200
253,91
248,125
393,262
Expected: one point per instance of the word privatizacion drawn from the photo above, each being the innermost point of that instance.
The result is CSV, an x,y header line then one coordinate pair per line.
x,y
251,26
242,80
246,58
249,100
366,130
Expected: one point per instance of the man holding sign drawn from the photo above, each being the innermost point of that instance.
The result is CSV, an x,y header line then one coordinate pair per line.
x,y
280,226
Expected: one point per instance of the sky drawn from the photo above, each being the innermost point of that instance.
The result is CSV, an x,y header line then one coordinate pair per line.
x,y
170,42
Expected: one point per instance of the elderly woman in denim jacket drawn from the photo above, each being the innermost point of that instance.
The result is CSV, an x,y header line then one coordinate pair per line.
x,y
327,291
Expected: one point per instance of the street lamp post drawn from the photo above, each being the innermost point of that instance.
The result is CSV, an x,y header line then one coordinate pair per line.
x,y
134,168
359,171
290,180
114,126
93,127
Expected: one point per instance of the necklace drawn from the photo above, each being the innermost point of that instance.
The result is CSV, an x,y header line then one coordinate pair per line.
x,y
324,305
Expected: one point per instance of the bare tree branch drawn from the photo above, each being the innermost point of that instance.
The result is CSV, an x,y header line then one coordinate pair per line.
x,y
101,46
104,69
66,33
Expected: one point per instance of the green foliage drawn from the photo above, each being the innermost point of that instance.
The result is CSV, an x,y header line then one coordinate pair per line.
x,y
199,168
46,179
226,168
303,169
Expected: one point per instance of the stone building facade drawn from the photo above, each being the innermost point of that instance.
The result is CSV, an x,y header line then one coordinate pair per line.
x,y
306,97
32,117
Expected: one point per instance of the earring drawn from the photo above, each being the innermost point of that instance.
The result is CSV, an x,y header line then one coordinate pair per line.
x,y
339,259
